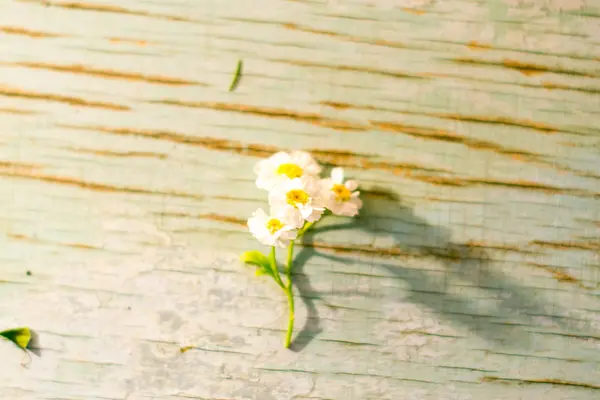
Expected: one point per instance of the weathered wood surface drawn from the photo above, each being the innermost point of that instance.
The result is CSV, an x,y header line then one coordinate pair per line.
x,y
126,178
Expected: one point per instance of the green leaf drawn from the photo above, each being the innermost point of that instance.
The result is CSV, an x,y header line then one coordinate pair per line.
x,y
258,259
255,257
237,76
19,336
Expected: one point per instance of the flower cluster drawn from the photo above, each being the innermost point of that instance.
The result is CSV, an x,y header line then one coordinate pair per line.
x,y
298,196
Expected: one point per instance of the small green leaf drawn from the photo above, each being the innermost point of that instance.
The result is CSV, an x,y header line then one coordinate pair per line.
x,y
260,261
237,76
19,336
257,258
260,271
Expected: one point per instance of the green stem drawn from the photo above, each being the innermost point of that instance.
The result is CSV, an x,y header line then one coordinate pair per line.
x,y
289,289
290,295
274,268
305,228
289,262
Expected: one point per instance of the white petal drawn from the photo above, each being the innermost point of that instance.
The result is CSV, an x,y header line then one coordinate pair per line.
x,y
264,182
294,218
301,158
306,211
351,185
258,217
288,215
337,175
296,183
288,235
315,215
277,197
279,158
313,169
310,185
357,202
335,207
325,186
305,161
282,244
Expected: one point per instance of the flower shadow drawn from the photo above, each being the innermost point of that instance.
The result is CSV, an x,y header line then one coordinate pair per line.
x,y
498,309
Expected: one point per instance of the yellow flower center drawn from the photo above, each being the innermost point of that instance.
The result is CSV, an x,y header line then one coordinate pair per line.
x,y
341,192
297,196
273,225
290,170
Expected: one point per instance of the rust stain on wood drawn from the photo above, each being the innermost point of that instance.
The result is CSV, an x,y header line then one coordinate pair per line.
x,y
15,30
477,144
551,86
137,42
223,218
532,186
19,111
501,120
360,249
519,84
270,112
106,9
72,101
340,158
528,69
351,159
37,240
456,253
19,167
97,187
343,36
337,105
350,17
379,194
441,180
440,199
567,245
525,68
17,236
519,184
548,381
351,68
558,274
82,246
175,137
520,123
107,73
125,154
446,136
413,11
209,216
474,45
491,246
333,157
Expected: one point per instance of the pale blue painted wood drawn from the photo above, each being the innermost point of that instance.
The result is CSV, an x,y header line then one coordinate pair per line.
x,y
126,179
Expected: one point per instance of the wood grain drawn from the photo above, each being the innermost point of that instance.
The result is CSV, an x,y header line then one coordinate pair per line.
x,y
473,271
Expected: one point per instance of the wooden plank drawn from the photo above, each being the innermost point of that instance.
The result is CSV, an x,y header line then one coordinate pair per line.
x,y
125,183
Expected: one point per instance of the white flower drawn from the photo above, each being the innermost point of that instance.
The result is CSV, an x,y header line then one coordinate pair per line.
x,y
274,230
299,196
341,198
282,167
